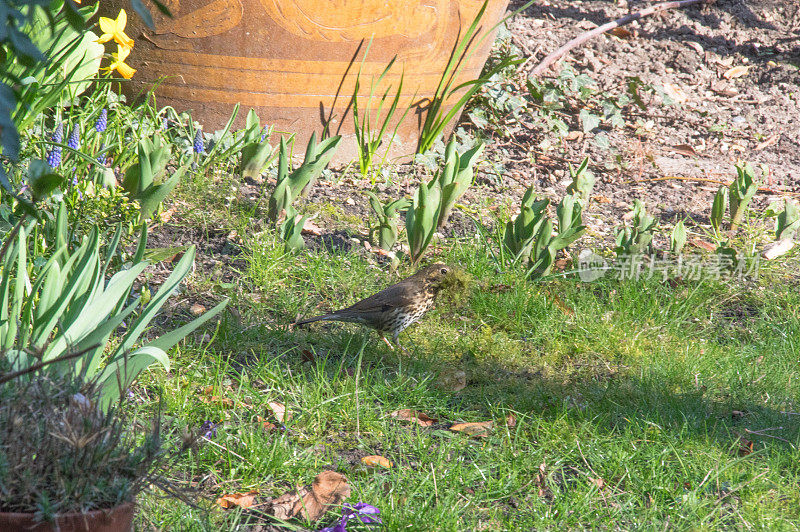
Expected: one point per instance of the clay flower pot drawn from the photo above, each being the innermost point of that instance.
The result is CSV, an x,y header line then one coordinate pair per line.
x,y
295,61
119,519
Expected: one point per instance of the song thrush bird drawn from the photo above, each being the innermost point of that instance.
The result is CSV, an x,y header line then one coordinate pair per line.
x,y
393,309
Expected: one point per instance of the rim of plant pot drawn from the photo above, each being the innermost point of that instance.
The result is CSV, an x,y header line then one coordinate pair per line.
x,y
116,519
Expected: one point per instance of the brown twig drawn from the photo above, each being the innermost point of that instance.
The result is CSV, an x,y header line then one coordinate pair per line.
x,y
679,178
39,365
580,39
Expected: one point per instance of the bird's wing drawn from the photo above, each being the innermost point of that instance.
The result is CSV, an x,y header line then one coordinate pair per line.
x,y
398,295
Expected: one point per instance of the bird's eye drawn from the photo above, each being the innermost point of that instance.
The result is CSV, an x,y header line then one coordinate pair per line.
x,y
443,271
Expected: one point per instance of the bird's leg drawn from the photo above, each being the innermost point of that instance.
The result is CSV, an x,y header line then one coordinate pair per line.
x,y
387,341
397,341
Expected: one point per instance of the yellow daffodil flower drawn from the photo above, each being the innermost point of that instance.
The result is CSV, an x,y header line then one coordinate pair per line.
x,y
115,29
119,63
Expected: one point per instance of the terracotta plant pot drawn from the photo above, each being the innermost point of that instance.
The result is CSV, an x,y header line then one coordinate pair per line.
x,y
296,61
118,519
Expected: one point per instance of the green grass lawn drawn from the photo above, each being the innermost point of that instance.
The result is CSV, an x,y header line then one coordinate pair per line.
x,y
637,404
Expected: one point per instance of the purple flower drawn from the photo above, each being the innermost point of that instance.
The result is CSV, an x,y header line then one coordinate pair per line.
x,y
102,121
366,513
198,142
208,429
58,134
338,527
54,155
74,137
102,157
164,124
264,133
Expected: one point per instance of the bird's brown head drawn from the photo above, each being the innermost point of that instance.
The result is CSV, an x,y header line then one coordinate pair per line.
x,y
434,275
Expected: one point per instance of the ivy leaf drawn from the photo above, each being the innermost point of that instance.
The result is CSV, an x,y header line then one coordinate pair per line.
x,y
590,121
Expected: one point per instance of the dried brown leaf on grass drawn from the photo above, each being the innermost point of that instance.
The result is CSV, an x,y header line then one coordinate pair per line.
x,y
736,72
685,149
279,409
511,420
744,447
376,461
420,418
540,480
207,396
479,429
328,489
242,500
702,244
310,228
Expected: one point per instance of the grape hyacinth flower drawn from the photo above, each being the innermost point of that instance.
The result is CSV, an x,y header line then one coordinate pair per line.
x,y
198,142
164,124
74,139
208,429
54,155
366,513
102,121
102,157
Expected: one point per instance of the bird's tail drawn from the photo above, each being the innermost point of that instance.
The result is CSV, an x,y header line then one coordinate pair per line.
x,y
312,320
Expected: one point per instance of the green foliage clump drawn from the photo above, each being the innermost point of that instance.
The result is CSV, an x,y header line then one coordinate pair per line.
x,y
434,201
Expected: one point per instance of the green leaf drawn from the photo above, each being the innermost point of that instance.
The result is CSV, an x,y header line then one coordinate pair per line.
x,y
678,238
42,179
95,310
123,370
164,292
85,261
167,340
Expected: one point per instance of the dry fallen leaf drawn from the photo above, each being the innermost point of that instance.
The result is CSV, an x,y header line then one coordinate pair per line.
x,y
206,396
562,306
329,489
561,264
745,447
166,215
280,412
621,33
511,421
736,72
310,228
685,149
774,250
702,244
769,141
376,461
197,309
242,500
266,425
599,482
541,481
676,93
419,418
308,356
697,46
478,430
601,199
